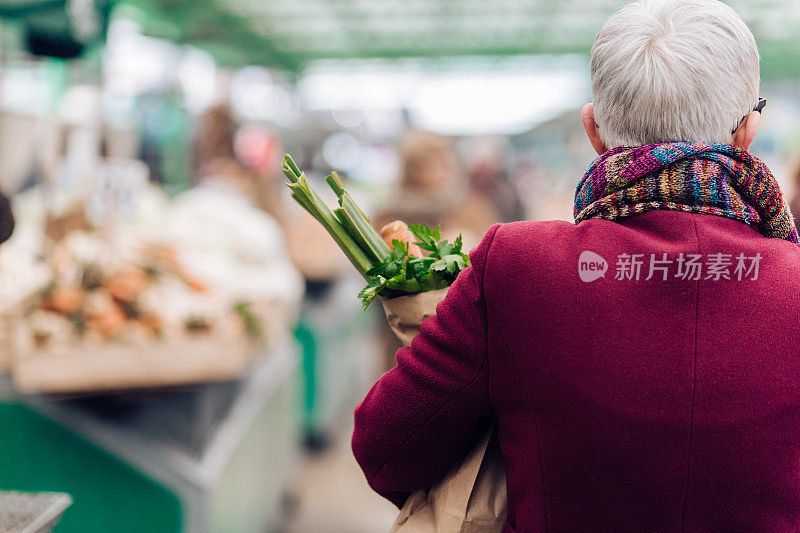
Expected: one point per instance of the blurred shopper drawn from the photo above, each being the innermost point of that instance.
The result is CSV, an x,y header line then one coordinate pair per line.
x,y
214,142
642,365
488,177
219,153
260,149
229,240
165,138
224,153
433,189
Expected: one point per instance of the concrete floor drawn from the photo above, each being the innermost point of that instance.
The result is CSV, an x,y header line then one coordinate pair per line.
x,y
332,495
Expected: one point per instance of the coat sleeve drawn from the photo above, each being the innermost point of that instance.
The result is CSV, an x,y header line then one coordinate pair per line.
x,y
423,415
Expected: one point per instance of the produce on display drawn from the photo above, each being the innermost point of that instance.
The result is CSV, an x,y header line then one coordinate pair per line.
x,y
184,290
94,300
419,260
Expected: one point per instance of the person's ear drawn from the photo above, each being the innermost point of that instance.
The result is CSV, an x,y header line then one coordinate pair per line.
x,y
592,131
744,136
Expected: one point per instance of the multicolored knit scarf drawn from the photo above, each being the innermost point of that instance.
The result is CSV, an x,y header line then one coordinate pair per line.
x,y
710,178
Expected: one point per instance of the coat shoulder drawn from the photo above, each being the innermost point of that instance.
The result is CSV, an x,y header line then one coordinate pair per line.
x,y
526,230
525,237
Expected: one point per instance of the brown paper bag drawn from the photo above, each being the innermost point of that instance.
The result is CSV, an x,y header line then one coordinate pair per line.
x,y
405,314
472,496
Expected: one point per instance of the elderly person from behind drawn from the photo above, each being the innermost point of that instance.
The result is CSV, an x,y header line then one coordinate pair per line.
x,y
642,365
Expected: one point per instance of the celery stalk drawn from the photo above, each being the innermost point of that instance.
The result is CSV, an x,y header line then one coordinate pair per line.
x,y
378,252
289,163
335,184
347,222
364,228
339,233
358,221
311,202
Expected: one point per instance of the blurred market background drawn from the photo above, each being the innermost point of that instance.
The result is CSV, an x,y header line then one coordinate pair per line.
x,y
181,347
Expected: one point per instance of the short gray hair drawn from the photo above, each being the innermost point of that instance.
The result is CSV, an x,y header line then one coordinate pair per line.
x,y
673,70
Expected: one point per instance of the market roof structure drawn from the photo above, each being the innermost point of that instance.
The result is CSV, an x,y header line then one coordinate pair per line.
x,y
289,33
292,32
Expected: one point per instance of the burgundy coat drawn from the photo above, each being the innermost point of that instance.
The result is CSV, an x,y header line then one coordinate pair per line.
x,y
622,404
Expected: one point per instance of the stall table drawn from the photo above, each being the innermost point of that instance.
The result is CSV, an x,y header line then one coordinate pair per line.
x,y
213,457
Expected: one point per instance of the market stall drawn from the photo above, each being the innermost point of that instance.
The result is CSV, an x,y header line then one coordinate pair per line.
x,y
148,363
163,460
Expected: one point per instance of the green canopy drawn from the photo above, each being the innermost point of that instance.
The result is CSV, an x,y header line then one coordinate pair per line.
x,y
58,28
285,34
288,33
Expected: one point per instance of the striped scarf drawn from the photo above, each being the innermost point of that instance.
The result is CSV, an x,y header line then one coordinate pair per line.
x,y
709,178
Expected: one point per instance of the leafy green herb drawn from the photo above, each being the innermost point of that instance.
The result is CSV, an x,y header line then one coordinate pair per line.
x,y
404,273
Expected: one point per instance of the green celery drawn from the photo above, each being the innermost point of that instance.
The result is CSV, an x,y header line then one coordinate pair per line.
x,y
289,163
358,221
311,202
351,228
365,230
336,185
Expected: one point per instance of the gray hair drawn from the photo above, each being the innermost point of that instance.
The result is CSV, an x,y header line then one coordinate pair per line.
x,y
673,70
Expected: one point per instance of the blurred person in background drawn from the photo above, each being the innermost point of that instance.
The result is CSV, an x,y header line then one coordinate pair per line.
x,y
229,239
433,188
240,163
641,365
260,149
214,144
165,138
244,158
489,177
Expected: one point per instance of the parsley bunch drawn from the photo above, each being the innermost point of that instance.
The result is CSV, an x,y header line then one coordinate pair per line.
x,y
389,273
402,273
